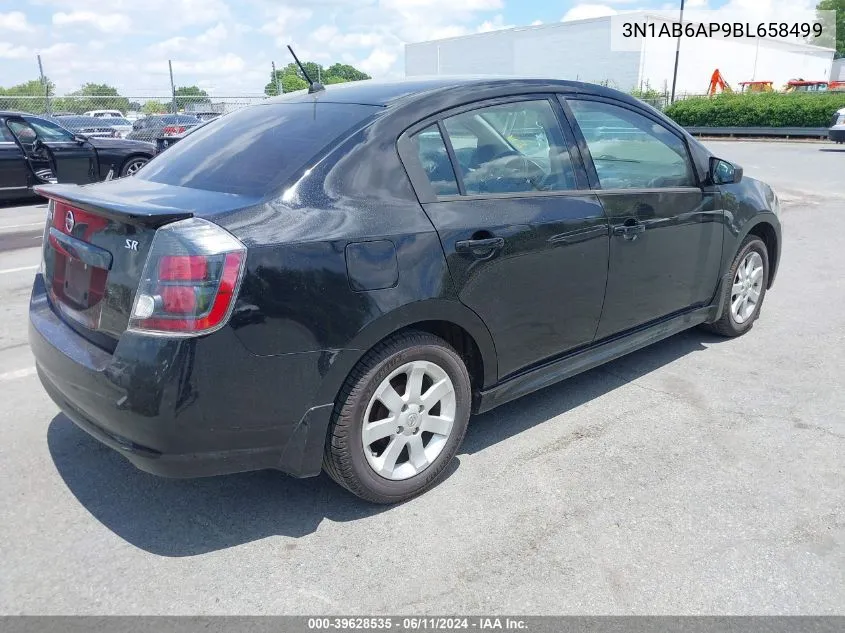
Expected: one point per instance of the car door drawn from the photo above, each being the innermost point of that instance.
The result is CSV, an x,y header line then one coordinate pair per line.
x,y
75,160
14,176
666,230
526,241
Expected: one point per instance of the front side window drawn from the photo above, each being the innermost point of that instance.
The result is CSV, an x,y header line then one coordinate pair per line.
x,y
631,151
511,148
435,161
48,131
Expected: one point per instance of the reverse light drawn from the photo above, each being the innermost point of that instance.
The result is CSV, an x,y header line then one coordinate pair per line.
x,y
190,280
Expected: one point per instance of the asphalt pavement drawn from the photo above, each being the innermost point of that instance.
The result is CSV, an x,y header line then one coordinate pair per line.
x,y
700,475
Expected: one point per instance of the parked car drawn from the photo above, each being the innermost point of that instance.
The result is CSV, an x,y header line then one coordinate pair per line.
x,y
163,142
837,130
36,150
89,126
338,280
104,114
158,125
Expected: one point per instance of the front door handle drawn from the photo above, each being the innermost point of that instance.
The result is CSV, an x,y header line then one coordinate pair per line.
x,y
481,249
629,230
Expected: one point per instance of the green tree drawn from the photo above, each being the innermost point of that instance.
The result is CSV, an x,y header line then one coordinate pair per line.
x,y
346,73
93,96
292,78
826,40
29,96
190,94
155,107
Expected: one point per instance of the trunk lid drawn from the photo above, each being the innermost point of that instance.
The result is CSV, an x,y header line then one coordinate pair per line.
x,y
96,244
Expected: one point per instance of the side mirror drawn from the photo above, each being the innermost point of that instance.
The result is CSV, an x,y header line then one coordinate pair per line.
x,y
724,173
80,138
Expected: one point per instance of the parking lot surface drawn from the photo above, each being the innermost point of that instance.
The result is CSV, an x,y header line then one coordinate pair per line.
x,y
700,475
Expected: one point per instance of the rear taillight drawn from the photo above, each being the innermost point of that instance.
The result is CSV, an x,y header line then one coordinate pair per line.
x,y
190,280
173,130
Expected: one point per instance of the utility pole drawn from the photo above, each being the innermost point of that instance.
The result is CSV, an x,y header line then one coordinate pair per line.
x,y
677,56
45,84
172,87
279,89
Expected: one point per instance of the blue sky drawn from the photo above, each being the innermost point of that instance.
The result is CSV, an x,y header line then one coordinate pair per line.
x,y
226,46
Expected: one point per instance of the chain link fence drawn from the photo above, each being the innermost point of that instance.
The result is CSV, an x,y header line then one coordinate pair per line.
x,y
137,118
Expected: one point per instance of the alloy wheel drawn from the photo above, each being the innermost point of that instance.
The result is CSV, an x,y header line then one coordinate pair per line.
x,y
747,286
408,420
133,167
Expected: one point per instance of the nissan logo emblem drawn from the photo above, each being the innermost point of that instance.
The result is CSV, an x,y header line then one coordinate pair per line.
x,y
69,221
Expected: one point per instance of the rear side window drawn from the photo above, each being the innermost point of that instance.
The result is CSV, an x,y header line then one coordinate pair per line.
x,y
435,161
511,148
254,150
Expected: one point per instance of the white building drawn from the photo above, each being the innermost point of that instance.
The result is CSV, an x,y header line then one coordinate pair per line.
x,y
581,50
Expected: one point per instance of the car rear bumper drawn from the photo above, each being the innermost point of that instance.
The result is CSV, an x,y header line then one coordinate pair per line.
x,y
837,134
184,408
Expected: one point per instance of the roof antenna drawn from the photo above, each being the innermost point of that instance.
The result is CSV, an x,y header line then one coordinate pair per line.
x,y
313,86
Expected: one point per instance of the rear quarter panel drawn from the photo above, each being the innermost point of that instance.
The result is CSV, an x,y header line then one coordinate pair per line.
x,y
297,296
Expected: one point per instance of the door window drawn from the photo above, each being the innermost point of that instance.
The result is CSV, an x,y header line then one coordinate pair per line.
x,y
5,134
511,148
435,161
48,131
631,151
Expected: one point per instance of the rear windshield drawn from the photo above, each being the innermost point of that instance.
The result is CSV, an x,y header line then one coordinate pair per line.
x,y
254,150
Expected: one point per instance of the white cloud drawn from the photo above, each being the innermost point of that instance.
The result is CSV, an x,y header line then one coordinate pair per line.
x,y
14,21
105,22
497,23
378,62
587,11
536,23
220,66
9,51
199,45
284,19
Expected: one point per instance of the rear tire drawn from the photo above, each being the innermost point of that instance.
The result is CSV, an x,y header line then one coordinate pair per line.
x,y
744,295
131,166
399,418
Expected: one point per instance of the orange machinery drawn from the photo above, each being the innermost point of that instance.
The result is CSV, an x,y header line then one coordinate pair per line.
x,y
800,85
757,86
718,83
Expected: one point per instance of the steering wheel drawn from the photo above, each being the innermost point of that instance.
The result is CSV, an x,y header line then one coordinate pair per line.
x,y
518,167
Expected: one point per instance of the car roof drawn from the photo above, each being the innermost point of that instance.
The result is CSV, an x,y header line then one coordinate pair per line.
x,y
387,93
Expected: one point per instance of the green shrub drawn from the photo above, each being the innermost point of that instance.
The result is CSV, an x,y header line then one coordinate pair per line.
x,y
758,110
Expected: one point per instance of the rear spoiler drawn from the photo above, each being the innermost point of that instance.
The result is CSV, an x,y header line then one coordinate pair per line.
x,y
117,208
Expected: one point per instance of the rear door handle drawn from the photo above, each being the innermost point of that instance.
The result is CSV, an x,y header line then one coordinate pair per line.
x,y
481,249
629,230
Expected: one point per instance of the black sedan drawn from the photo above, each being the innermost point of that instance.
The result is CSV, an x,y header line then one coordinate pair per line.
x,y
35,150
87,126
378,262
157,126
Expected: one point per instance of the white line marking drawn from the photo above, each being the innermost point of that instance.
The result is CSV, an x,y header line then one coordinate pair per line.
x,y
17,270
18,373
19,226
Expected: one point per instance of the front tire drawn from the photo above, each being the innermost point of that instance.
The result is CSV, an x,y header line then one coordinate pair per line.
x,y
399,418
743,299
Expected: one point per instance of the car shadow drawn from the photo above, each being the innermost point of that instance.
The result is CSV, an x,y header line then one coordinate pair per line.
x,y
22,202
174,517
833,150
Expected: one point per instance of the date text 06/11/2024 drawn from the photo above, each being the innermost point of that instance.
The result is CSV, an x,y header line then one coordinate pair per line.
x,y
722,29
417,623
